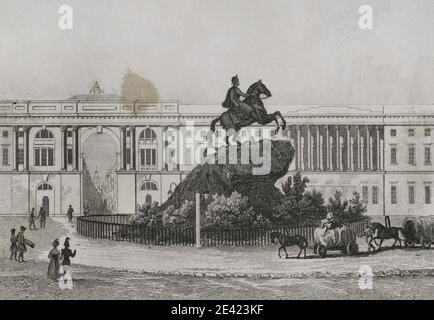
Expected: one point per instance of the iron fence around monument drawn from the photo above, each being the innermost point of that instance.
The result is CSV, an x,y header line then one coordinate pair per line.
x,y
117,228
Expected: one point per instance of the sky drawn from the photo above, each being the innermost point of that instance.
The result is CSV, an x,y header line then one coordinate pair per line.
x,y
305,51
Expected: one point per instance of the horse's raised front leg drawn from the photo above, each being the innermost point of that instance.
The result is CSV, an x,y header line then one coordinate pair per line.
x,y
278,252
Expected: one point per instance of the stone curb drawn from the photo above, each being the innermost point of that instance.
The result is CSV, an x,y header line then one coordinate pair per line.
x,y
295,275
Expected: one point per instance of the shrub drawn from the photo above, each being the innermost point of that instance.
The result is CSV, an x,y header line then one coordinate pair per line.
x,y
147,215
181,217
232,211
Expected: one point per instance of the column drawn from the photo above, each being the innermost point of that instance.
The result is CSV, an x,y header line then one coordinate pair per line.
x,y
362,156
123,151
331,154
338,149
352,154
302,154
318,150
26,148
132,147
298,149
378,148
15,148
75,152
321,153
309,149
359,149
327,148
368,148
63,148
381,153
348,166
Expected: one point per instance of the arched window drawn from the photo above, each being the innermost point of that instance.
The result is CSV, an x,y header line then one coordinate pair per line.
x,y
45,186
148,133
149,186
148,149
43,149
44,134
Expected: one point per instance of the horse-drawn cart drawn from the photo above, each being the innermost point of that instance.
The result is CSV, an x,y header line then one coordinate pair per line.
x,y
418,230
341,238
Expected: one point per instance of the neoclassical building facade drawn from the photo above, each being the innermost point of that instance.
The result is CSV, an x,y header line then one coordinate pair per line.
x,y
382,152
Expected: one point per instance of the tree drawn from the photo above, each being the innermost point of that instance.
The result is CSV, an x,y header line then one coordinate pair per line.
x,y
147,215
357,208
337,206
313,206
181,217
135,87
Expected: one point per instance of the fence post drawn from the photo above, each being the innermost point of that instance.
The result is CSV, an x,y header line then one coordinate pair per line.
x,y
197,220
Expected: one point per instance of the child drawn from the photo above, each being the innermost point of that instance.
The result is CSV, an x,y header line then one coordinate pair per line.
x,y
53,266
13,247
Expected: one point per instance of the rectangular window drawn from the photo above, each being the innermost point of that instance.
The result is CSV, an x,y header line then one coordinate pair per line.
x,y
411,132
427,132
50,157
5,134
393,152
20,156
128,155
412,155
374,195
427,156
393,132
411,194
150,157
69,156
69,133
5,156
44,157
393,194
427,194
37,157
365,194
142,157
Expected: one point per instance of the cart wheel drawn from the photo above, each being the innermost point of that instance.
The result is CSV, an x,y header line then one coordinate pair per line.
x,y
426,242
409,243
352,248
344,250
322,250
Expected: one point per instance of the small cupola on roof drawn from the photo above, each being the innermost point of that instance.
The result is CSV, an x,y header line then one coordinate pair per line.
x,y
96,93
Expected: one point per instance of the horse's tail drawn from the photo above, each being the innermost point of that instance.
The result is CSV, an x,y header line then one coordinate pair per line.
x,y
213,123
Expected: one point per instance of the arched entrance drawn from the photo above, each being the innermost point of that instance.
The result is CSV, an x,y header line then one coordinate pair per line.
x,y
44,198
100,155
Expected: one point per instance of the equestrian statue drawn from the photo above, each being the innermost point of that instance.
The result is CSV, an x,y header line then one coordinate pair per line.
x,y
242,113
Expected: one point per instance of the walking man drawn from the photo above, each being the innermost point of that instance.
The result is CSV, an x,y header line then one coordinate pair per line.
x,y
42,217
32,218
69,213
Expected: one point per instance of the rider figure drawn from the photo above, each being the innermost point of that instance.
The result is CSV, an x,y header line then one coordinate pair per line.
x,y
241,109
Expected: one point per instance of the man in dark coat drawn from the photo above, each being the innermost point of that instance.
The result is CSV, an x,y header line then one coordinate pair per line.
x,y
69,213
42,217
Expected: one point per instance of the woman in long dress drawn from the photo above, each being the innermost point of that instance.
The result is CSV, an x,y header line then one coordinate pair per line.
x,y
54,265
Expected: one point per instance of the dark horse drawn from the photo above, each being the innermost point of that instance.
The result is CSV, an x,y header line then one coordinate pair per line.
x,y
287,241
229,121
377,231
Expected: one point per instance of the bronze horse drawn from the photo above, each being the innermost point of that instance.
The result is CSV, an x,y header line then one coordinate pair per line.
x,y
229,121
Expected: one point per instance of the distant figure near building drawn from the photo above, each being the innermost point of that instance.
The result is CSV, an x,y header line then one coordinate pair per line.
x,y
42,217
69,213
13,247
32,218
